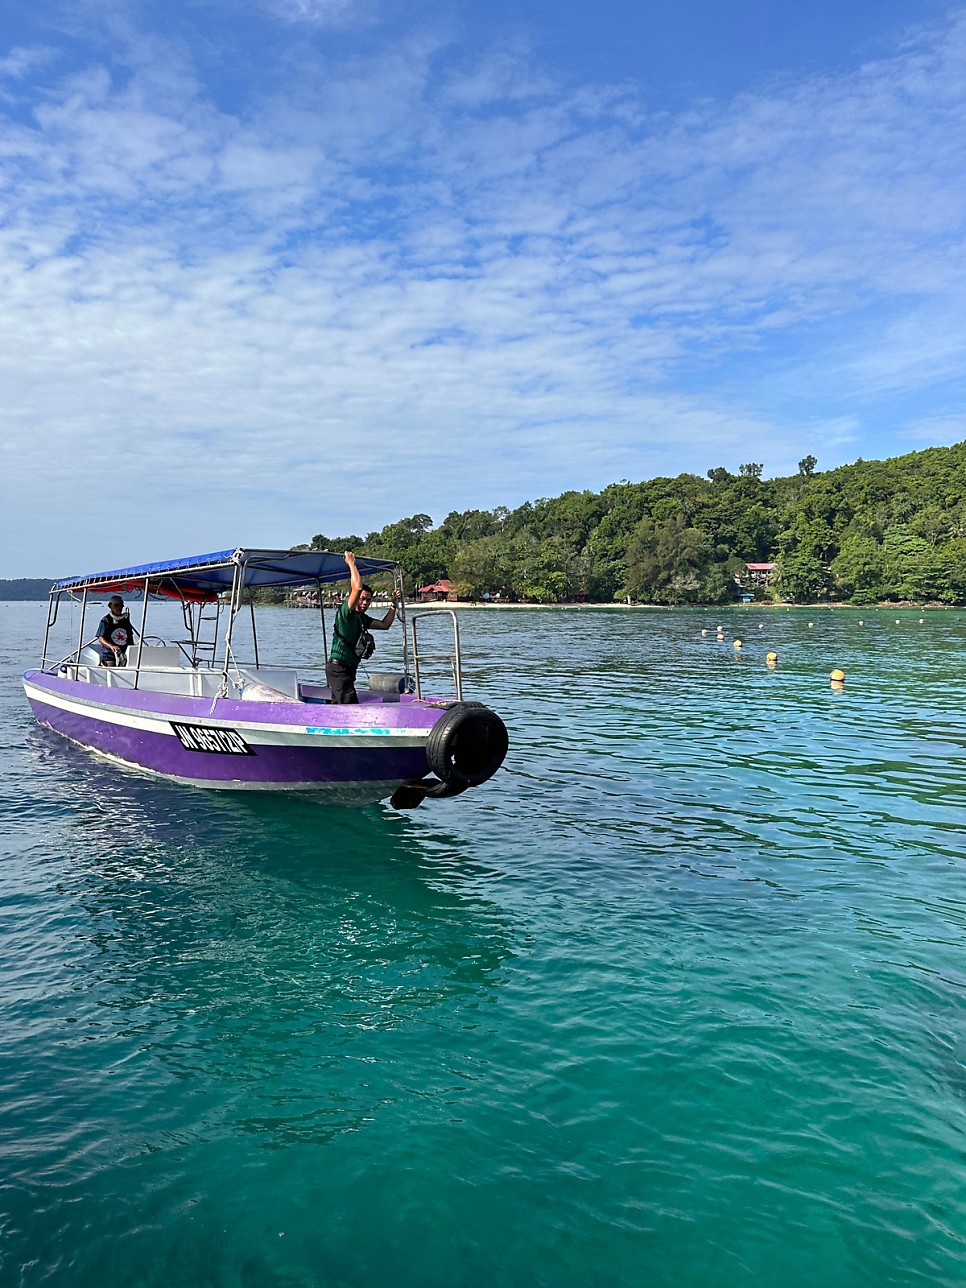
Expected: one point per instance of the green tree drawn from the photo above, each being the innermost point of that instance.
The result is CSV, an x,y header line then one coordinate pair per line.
x,y
471,524
720,475
933,524
858,570
801,578
336,544
912,570
476,569
719,583
755,531
667,562
951,568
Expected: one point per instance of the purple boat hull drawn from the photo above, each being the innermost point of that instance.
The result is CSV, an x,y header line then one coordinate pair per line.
x,y
353,754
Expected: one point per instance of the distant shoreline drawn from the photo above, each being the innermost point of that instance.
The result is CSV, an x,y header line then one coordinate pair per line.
x,y
472,604
905,605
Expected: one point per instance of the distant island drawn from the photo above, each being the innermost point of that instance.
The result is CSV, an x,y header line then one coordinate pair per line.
x,y
26,588
872,532
889,531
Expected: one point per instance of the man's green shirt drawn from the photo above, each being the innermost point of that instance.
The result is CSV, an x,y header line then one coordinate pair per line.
x,y
345,635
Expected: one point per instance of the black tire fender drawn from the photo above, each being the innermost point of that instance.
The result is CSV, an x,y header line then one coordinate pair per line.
x,y
467,745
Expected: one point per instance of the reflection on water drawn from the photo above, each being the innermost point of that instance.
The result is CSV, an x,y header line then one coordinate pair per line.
x,y
236,901
260,946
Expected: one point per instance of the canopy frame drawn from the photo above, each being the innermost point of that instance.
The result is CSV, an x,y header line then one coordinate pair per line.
x,y
224,579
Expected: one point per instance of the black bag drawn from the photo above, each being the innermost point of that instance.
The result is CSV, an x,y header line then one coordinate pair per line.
x,y
365,645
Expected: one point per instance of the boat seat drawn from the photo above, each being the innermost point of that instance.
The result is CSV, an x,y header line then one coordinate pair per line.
x,y
269,684
157,655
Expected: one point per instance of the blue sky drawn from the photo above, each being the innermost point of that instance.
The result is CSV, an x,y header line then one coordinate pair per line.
x,y
279,267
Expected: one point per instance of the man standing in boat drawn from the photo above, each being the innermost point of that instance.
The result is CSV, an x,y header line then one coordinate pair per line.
x,y
348,635
115,634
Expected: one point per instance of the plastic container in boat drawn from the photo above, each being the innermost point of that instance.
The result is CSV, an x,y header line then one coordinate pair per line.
x,y
391,682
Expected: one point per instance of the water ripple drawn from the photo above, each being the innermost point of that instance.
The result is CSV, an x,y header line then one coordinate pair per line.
x,y
678,998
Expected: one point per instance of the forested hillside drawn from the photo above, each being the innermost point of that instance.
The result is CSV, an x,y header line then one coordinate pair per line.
x,y
25,588
875,530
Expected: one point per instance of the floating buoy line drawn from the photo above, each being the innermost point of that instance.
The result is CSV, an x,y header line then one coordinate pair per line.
x,y
836,676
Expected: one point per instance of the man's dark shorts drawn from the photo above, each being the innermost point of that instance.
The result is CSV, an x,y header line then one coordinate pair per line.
x,y
342,682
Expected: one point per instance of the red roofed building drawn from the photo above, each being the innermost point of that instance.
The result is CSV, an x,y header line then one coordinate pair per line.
x,y
760,574
442,589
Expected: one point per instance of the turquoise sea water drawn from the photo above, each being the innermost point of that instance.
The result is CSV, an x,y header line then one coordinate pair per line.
x,y
679,998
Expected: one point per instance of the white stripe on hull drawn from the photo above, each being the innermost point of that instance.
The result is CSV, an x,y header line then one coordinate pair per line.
x,y
257,733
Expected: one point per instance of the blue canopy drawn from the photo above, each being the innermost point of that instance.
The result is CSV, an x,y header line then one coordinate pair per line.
x,y
205,577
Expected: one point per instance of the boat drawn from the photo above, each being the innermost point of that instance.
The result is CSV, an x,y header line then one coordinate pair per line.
x,y
207,709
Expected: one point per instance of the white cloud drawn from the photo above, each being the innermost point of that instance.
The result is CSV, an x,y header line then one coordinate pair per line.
x,y
22,60
460,283
313,12
940,431
502,76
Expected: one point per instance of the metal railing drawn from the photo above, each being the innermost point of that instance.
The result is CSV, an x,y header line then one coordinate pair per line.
x,y
454,657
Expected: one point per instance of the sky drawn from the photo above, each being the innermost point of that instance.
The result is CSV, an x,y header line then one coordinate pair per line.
x,y
273,268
